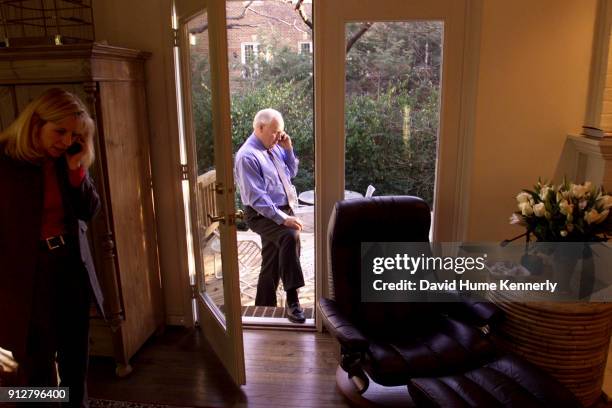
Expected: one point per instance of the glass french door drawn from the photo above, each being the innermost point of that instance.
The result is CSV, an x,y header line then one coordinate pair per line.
x,y
203,96
363,77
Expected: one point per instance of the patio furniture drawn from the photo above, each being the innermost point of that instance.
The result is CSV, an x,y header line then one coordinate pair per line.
x,y
370,191
308,197
427,346
249,262
249,265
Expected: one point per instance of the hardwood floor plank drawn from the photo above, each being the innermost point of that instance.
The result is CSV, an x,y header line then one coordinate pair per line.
x,y
284,369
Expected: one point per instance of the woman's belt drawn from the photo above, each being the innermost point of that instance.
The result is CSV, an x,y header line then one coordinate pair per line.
x,y
56,241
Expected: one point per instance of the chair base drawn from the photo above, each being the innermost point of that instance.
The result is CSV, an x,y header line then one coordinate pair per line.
x,y
376,395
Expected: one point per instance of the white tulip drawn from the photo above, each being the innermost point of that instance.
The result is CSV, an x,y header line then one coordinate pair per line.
x,y
566,194
566,208
526,209
579,190
594,217
591,216
523,197
544,192
605,201
539,209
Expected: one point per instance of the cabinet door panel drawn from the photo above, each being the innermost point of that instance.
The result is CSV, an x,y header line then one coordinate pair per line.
x,y
129,190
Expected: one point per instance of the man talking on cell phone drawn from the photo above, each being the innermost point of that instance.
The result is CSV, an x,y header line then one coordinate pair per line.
x,y
264,167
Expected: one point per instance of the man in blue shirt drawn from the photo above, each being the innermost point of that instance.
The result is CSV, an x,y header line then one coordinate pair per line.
x,y
264,166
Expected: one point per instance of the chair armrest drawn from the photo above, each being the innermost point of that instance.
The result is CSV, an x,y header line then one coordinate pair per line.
x,y
341,328
476,312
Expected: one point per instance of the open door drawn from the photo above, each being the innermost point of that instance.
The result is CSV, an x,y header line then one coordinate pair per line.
x,y
208,192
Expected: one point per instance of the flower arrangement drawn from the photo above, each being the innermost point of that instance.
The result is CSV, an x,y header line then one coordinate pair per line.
x,y
567,212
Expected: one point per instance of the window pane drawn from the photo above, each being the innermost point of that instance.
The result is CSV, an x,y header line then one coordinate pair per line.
x,y
392,106
211,278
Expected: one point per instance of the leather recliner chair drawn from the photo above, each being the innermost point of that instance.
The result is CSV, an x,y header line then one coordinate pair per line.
x,y
422,345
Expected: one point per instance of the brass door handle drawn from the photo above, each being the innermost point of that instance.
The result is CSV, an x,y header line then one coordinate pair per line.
x,y
221,218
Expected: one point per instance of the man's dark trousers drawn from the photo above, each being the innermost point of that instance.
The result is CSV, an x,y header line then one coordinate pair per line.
x,y
280,255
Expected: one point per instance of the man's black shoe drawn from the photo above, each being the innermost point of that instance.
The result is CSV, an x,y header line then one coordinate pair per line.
x,y
295,313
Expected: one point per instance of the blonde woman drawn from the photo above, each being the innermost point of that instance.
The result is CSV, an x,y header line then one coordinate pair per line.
x,y
46,272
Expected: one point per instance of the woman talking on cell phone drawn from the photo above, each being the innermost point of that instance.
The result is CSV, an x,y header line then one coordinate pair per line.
x,y
46,270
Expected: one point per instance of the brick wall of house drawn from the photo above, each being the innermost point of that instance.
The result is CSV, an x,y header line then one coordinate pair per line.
x,y
264,21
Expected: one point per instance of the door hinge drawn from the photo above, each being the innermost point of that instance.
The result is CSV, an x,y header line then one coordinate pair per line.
x,y
184,172
194,291
175,37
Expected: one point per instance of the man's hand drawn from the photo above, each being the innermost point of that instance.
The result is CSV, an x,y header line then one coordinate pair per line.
x,y
285,141
293,223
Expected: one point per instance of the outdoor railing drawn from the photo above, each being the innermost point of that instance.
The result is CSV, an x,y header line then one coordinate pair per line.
x,y
207,200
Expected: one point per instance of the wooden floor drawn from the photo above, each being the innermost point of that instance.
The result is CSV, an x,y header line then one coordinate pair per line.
x,y
283,368
178,368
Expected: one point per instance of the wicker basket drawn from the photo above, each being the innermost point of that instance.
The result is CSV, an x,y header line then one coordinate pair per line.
x,y
568,340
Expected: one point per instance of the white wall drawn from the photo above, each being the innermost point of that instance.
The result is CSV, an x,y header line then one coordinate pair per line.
x,y
532,90
146,25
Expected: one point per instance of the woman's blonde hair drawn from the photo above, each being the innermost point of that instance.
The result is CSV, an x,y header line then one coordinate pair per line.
x,y
21,139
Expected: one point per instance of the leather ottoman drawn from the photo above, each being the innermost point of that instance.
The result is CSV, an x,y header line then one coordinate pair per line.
x,y
507,381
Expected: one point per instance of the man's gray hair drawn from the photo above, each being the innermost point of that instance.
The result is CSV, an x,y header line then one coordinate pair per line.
x,y
265,116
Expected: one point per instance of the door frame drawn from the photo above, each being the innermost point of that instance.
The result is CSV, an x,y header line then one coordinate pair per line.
x,y
457,108
223,331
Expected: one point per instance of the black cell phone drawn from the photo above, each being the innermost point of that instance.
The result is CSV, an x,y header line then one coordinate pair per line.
x,y
74,148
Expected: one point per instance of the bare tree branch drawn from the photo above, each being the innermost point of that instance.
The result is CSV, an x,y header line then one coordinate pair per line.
x,y
364,27
299,8
235,25
302,13
204,27
276,19
295,26
241,15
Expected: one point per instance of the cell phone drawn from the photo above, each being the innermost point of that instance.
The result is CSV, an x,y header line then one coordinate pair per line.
x,y
74,148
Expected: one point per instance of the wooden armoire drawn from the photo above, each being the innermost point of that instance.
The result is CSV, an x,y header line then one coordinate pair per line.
x,y
111,81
